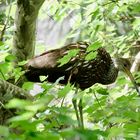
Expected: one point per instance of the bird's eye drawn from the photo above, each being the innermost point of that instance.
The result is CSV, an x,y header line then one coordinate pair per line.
x,y
125,65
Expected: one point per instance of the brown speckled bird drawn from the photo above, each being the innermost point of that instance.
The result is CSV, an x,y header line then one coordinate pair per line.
x,y
78,71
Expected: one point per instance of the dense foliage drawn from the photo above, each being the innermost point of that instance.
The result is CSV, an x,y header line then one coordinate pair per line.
x,y
110,112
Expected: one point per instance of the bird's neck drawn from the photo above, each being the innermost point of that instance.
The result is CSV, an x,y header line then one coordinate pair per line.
x,y
115,62
112,74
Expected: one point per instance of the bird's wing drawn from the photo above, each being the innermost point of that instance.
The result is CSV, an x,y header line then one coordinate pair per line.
x,y
50,58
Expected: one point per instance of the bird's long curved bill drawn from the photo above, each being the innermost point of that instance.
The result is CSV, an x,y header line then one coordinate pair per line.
x,y
132,80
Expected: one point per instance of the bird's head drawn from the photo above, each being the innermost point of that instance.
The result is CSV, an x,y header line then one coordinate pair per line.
x,y
124,65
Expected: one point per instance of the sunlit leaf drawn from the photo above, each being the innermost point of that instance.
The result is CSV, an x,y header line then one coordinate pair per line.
x,y
1,43
42,78
102,91
10,57
115,131
23,116
67,57
17,103
64,91
28,85
91,56
22,63
68,133
4,131
94,46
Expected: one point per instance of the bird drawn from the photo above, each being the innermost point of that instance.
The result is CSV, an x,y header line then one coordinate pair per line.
x,y
79,71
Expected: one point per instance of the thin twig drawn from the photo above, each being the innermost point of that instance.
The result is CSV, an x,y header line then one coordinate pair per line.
x,y
97,100
6,23
2,75
110,2
63,99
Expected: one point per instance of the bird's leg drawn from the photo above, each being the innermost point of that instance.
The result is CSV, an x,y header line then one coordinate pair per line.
x,y
74,101
76,111
80,106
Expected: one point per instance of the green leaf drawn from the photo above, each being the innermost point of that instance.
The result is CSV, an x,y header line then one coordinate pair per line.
x,y
92,50
17,103
133,127
102,91
46,86
65,59
52,136
132,130
64,91
118,120
136,8
1,43
5,70
35,107
5,67
28,85
1,27
121,81
93,47
22,117
115,132
22,63
27,125
10,58
64,119
91,56
42,78
95,14
86,134
4,131
68,133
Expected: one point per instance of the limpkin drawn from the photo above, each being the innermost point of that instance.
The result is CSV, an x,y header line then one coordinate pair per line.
x,y
78,71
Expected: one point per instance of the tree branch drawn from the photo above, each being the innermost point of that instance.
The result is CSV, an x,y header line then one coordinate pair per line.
x,y
9,91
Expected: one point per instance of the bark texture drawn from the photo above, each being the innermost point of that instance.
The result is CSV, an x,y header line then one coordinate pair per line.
x,y
25,24
23,48
9,91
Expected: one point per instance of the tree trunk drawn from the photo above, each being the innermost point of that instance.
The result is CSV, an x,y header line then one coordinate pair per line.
x,y
25,23
23,48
